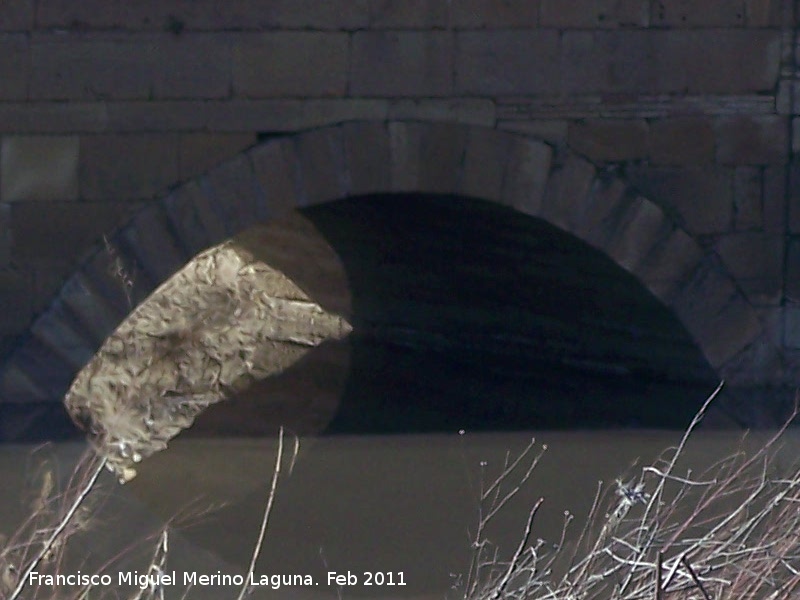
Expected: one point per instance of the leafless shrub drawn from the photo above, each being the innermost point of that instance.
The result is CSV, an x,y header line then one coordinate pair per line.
x,y
732,532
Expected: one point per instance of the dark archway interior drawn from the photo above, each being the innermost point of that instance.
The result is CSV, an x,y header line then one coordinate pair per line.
x,y
470,315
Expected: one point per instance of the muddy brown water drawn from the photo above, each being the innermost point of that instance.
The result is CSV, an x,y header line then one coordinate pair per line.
x,y
400,505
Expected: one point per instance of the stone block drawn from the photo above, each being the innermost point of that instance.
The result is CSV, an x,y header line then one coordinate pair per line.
x,y
775,200
16,289
507,62
485,162
39,168
275,167
552,131
203,14
290,64
17,15
793,271
192,66
748,213
527,175
323,174
127,166
49,275
567,194
367,154
199,152
686,13
53,118
14,66
63,230
699,197
792,327
472,111
641,228
716,315
607,197
594,13
613,62
401,63
405,150
152,243
480,14
180,207
765,13
443,146
666,267
667,61
5,235
682,141
757,259
92,67
63,335
609,140
418,14
98,318
752,140
720,61
236,194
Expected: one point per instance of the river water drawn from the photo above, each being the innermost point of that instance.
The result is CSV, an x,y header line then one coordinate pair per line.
x,y
404,506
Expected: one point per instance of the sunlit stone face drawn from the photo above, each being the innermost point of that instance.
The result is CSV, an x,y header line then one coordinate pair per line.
x,y
223,322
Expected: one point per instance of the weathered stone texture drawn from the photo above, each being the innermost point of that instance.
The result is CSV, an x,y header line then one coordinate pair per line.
x,y
752,140
62,230
688,13
192,66
667,265
709,61
53,117
480,14
91,67
5,235
793,271
15,298
14,61
367,154
17,15
485,161
471,111
642,227
682,141
507,62
292,64
755,260
594,13
702,198
129,166
176,15
526,178
320,158
199,152
775,200
419,14
235,194
567,193
39,168
401,63
609,140
549,130
748,205
443,146
274,164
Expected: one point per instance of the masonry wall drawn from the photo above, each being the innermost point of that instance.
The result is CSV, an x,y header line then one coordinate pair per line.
x,y
107,104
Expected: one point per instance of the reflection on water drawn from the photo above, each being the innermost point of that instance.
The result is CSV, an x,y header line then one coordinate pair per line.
x,y
363,503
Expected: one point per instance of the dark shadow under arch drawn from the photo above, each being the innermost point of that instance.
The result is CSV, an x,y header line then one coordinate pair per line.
x,y
471,315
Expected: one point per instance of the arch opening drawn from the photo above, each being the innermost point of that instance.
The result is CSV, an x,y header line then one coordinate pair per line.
x,y
470,315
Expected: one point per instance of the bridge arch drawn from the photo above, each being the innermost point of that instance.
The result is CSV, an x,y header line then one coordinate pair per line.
x,y
362,158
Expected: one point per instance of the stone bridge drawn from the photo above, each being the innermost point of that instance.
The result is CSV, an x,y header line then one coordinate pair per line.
x,y
659,133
